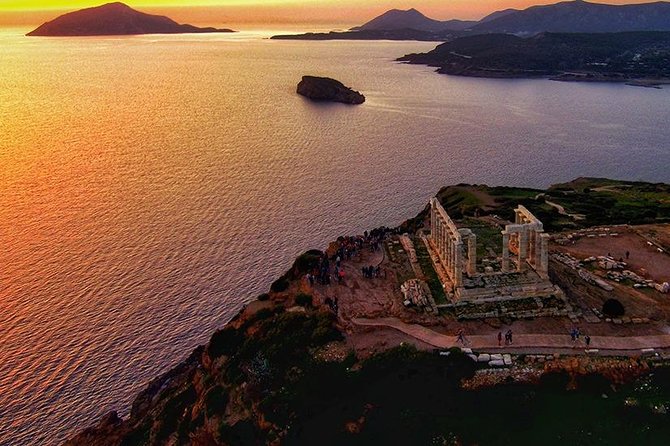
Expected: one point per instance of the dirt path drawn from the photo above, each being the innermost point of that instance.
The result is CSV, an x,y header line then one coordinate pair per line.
x,y
523,343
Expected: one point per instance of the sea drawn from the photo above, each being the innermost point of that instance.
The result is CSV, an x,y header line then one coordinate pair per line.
x,y
150,186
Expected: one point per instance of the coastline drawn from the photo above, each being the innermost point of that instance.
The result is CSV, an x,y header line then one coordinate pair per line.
x,y
573,76
187,381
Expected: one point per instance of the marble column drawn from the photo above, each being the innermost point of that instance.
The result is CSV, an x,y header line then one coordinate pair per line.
x,y
458,265
537,251
438,237
448,256
523,249
472,254
544,255
433,219
505,252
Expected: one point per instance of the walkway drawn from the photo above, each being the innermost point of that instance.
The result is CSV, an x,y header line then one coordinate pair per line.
x,y
523,343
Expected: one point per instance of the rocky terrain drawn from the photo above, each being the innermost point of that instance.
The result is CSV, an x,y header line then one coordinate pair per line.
x,y
329,90
114,19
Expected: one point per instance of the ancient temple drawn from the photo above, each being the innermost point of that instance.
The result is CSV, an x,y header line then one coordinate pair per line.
x,y
524,259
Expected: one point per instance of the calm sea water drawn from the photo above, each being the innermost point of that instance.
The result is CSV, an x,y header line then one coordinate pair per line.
x,y
150,186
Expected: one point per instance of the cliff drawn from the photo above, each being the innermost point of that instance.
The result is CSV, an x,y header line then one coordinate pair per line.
x,y
114,19
327,89
291,369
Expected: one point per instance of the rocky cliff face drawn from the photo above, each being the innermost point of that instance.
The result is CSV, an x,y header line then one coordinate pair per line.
x,y
327,89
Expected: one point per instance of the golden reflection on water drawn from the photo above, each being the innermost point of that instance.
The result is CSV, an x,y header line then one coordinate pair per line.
x,y
151,185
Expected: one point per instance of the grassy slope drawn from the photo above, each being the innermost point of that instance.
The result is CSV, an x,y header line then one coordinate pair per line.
x,y
600,201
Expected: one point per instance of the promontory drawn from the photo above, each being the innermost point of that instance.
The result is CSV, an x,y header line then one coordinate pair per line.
x,y
114,19
395,336
327,89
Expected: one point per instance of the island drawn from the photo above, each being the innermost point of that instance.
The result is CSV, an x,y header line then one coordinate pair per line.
x,y
393,25
114,19
395,336
636,57
576,16
329,90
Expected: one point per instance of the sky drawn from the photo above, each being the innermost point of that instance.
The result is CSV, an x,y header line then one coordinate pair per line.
x,y
217,12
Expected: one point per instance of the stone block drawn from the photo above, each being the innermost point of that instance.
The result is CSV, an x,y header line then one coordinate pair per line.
x,y
497,363
507,359
496,357
484,357
467,351
473,357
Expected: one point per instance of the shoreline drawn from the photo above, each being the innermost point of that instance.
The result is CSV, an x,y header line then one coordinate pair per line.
x,y
584,77
295,297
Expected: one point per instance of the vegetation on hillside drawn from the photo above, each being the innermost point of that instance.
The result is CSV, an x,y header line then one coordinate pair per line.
x,y
615,55
585,202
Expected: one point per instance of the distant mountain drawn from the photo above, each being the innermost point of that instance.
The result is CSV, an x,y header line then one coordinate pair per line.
x,y
396,19
114,19
497,15
579,16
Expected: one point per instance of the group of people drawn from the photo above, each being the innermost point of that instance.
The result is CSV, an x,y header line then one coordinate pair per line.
x,y
575,333
321,273
371,271
375,237
508,337
347,248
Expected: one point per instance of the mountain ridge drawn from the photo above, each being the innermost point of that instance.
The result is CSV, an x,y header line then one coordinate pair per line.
x,y
580,16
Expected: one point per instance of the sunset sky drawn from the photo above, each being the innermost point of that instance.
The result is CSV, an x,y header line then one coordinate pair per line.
x,y
237,11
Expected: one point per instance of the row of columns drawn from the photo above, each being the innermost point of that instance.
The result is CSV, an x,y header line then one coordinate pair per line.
x,y
532,243
449,244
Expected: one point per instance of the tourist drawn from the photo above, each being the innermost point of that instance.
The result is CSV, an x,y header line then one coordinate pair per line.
x,y
627,255
587,339
509,333
461,337
499,338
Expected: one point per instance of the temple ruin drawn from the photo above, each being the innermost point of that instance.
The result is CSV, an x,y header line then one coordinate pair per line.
x,y
523,263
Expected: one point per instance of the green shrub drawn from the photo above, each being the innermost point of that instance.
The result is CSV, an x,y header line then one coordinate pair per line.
x,y
224,342
263,297
306,262
171,417
241,433
304,300
279,285
216,401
